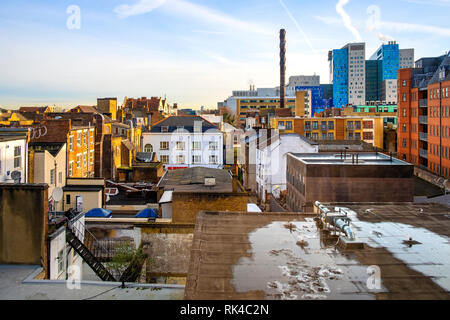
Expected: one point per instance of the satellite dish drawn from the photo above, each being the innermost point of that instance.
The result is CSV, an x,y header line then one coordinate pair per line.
x,y
16,176
57,194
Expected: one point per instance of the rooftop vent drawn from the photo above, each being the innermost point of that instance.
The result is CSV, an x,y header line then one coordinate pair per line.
x,y
210,181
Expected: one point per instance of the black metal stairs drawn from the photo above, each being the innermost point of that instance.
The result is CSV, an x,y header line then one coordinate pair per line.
x,y
87,256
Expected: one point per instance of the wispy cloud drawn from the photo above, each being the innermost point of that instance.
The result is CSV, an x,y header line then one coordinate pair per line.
x,y
430,2
346,18
329,20
185,8
305,36
140,7
374,22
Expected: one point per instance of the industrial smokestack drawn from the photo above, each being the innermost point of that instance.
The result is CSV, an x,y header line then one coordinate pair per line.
x,y
282,68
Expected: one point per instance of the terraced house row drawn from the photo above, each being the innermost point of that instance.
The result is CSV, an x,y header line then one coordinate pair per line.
x,y
424,115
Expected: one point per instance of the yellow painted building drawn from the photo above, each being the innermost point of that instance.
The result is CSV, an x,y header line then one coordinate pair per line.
x,y
255,104
108,106
368,129
9,118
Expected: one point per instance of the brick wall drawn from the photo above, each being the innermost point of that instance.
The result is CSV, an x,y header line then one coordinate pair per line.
x,y
187,205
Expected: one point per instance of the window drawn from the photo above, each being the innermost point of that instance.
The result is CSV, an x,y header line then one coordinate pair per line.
x,y
404,97
213,145
404,127
79,139
17,157
78,161
165,159
85,138
60,259
404,143
196,159
52,176
196,145
404,83
164,145
92,157
213,159
180,159
148,148
288,125
68,199
70,168
164,129
368,135
281,125
71,143
180,145
85,159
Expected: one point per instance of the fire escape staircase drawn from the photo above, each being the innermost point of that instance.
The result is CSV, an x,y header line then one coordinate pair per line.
x,y
86,253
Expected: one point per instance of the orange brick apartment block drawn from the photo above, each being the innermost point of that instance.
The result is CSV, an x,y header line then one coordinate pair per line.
x,y
80,142
424,115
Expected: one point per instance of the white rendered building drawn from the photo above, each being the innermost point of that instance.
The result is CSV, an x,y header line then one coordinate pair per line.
x,y
185,142
13,155
271,162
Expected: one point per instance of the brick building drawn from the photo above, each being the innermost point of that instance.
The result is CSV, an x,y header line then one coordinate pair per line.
x,y
424,115
80,142
189,191
346,177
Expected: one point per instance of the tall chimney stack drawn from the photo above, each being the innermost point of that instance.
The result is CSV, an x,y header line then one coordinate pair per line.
x,y
282,68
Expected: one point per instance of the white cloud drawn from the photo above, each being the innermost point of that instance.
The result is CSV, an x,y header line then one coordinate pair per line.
x,y
346,19
329,20
374,22
430,2
140,7
194,11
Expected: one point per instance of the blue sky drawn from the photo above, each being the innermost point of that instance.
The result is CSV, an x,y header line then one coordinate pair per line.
x,y
195,52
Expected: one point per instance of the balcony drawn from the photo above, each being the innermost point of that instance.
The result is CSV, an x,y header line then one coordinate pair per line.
x,y
423,153
423,119
423,136
423,103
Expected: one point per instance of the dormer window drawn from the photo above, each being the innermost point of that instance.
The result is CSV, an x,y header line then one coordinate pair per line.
x,y
164,129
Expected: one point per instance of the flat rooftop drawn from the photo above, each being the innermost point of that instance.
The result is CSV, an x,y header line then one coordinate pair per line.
x,y
364,159
285,256
15,285
193,179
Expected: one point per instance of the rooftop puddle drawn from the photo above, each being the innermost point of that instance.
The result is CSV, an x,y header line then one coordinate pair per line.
x,y
295,260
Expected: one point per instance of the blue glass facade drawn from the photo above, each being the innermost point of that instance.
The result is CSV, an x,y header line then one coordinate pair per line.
x,y
340,77
390,61
317,96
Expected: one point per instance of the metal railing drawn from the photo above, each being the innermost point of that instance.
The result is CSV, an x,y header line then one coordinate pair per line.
x,y
423,153
423,136
423,103
423,119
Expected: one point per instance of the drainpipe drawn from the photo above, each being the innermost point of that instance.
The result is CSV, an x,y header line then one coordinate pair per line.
x,y
440,128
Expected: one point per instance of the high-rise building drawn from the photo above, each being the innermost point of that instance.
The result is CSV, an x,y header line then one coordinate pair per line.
x,y
347,67
304,81
406,59
357,81
390,59
424,115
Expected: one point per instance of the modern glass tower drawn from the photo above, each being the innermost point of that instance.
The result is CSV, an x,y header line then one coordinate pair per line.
x,y
340,77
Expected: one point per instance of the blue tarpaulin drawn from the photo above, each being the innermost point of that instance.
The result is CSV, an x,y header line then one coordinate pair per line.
x,y
147,213
99,213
